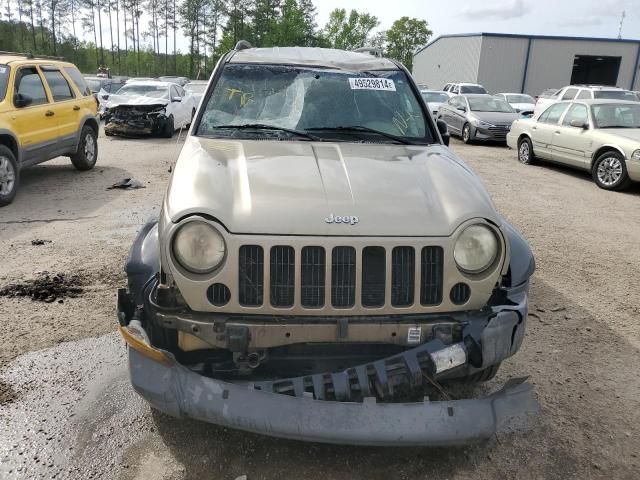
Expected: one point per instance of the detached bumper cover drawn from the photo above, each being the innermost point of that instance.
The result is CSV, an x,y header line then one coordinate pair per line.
x,y
180,392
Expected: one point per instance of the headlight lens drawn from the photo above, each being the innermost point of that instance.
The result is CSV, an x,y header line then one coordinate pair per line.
x,y
480,123
198,247
635,155
476,249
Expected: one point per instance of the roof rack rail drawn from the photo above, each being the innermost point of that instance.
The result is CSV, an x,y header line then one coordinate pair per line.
x,y
242,45
375,51
30,55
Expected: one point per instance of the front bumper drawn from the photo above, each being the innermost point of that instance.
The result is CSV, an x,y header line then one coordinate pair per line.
x,y
179,392
296,408
493,134
144,124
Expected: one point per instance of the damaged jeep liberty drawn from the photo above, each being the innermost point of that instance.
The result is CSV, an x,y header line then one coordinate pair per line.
x,y
322,262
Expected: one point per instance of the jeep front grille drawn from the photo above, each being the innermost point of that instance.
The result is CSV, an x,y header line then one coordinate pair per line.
x,y
373,276
251,273
431,276
312,277
282,276
364,276
402,276
343,277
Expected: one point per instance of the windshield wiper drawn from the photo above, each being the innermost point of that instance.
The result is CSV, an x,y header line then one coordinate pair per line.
x,y
360,128
262,126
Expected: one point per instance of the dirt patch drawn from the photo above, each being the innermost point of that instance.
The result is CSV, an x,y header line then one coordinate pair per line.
x,y
46,288
7,393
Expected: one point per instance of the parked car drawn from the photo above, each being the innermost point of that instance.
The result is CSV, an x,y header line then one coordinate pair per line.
x,y
46,111
182,81
600,136
463,88
435,99
520,102
478,117
107,88
583,92
197,89
288,284
149,108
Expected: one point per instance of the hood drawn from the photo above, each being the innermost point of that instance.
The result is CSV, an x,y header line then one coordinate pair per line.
x,y
276,187
627,133
496,117
118,100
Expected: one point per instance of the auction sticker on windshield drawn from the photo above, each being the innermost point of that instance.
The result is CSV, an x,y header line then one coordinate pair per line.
x,y
372,84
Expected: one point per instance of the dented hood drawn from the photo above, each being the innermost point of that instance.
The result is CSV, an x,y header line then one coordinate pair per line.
x,y
119,100
292,187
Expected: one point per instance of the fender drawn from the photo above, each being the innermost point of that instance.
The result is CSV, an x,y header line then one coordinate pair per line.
x,y
143,261
522,263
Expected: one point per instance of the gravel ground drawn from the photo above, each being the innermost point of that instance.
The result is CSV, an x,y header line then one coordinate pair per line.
x,y
67,410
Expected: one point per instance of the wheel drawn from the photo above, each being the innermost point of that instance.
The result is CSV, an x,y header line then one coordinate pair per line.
x,y
87,154
169,128
610,171
484,375
525,152
9,176
466,133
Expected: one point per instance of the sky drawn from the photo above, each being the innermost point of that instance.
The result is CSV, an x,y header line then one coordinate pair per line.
x,y
585,18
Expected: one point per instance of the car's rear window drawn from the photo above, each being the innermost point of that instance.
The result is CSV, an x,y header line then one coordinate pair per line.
x,y
78,79
435,97
4,80
472,89
519,99
615,95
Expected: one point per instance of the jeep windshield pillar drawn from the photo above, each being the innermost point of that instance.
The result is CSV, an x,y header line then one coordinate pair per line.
x,y
287,288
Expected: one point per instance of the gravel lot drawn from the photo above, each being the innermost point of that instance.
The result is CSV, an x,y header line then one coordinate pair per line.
x,y
67,410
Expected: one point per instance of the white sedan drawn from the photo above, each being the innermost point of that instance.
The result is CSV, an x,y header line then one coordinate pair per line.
x,y
522,103
599,136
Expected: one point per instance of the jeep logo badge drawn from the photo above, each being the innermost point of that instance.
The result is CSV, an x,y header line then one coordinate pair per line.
x,y
352,220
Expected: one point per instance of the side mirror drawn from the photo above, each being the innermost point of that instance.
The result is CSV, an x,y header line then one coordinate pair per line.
x,y
176,99
579,124
21,100
462,108
444,131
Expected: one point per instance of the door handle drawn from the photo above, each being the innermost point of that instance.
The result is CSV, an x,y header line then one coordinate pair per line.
x,y
534,128
558,132
49,113
76,108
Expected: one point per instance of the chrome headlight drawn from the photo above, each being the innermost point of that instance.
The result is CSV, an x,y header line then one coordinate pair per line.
x,y
476,249
480,123
636,156
198,247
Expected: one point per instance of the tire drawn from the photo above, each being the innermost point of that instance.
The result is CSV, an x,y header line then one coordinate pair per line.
x,y
525,152
9,176
169,128
87,155
484,375
609,171
466,133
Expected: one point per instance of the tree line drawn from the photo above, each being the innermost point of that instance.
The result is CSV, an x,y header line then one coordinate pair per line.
x,y
141,37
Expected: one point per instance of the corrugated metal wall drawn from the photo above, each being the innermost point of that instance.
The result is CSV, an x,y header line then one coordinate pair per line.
x,y
454,59
551,61
502,63
498,63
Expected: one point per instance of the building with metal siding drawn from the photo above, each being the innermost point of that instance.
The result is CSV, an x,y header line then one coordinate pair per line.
x,y
527,63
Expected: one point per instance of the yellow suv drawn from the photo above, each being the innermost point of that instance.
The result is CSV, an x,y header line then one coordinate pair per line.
x,y
46,111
